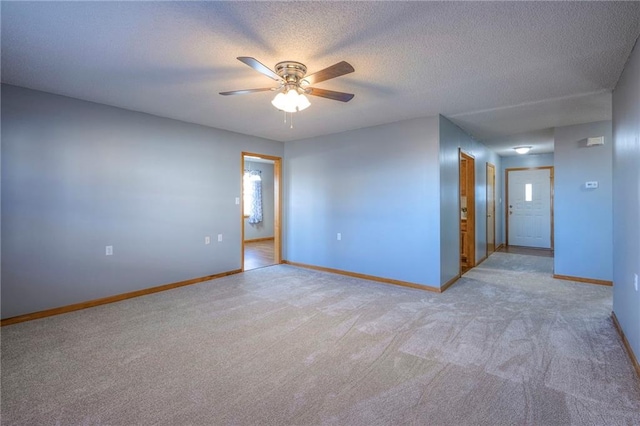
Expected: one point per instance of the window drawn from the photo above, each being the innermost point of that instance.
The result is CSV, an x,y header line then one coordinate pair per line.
x,y
252,193
247,191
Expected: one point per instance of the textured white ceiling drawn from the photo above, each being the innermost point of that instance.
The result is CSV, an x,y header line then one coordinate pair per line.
x,y
495,68
541,141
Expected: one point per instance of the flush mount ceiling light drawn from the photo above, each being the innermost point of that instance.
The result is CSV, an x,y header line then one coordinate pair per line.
x,y
522,149
294,84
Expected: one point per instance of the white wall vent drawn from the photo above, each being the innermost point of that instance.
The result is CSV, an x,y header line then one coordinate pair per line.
x,y
595,141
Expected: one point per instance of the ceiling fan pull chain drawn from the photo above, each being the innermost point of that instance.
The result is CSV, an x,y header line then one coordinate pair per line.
x,y
291,119
285,117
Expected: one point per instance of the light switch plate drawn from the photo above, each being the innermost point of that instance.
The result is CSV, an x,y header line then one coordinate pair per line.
x,y
591,185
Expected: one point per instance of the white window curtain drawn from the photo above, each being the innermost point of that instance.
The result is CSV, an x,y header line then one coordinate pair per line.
x,y
252,183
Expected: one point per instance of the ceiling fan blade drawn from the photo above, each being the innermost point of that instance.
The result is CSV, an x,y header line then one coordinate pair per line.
x,y
341,68
244,92
330,94
258,66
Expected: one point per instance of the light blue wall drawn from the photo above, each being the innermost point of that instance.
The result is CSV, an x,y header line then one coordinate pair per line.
x,y
514,162
527,160
453,138
263,229
379,187
77,176
583,223
450,136
626,199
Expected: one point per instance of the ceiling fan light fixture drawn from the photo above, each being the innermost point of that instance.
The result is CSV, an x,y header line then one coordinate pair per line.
x,y
280,102
291,102
522,149
303,102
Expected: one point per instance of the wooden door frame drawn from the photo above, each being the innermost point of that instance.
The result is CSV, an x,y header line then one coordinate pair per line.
x,y
491,166
277,205
506,204
471,207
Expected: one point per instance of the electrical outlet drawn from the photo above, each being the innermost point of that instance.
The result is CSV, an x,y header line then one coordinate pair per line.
x,y
207,240
109,250
635,281
219,237
339,236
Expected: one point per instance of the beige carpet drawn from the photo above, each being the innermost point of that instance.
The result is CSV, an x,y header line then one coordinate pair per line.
x,y
505,345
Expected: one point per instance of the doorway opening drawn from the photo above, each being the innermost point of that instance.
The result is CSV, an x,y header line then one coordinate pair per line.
x,y
261,210
467,212
529,207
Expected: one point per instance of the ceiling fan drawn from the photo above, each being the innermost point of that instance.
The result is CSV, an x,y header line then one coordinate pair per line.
x,y
294,84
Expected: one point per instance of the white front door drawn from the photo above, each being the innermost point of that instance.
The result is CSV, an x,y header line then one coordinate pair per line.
x,y
529,208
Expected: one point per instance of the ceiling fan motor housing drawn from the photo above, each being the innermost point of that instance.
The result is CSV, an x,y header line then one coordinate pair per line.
x,y
292,73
